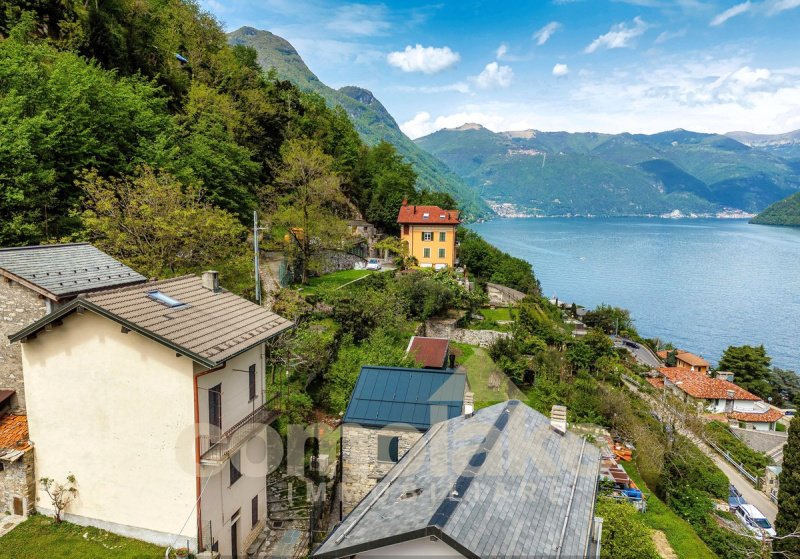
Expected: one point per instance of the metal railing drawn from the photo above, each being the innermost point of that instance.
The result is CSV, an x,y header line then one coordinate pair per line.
x,y
738,465
216,447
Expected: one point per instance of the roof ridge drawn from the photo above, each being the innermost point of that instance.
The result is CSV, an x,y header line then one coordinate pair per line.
x,y
147,284
36,247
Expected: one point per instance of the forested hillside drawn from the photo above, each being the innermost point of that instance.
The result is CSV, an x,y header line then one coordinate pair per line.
x,y
559,173
785,212
134,124
370,117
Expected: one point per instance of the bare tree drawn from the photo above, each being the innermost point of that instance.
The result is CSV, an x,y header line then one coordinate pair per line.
x,y
61,494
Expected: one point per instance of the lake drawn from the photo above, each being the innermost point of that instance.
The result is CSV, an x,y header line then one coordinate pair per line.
x,y
703,284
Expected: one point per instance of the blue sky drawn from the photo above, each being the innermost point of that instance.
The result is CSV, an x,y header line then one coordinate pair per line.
x,y
575,65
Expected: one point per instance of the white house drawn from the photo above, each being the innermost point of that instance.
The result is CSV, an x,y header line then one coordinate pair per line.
x,y
152,396
716,395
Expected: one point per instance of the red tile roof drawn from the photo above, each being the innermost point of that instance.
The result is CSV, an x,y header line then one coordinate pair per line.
x,y
698,385
436,215
14,432
656,382
429,352
768,416
662,354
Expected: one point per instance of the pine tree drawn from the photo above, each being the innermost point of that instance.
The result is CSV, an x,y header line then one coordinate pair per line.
x,y
788,520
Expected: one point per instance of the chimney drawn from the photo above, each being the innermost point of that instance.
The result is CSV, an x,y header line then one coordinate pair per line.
x,y
405,201
413,209
452,359
211,280
558,419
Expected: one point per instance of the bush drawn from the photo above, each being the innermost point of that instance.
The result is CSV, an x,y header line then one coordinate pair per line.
x,y
625,536
753,461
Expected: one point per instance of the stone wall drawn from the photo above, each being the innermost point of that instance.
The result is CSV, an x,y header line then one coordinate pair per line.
x,y
500,295
19,307
18,480
446,328
330,261
361,470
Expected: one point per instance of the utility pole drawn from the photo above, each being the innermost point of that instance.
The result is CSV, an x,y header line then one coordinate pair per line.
x,y
256,265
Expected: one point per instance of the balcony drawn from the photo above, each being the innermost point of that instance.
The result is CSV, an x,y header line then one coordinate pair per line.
x,y
216,448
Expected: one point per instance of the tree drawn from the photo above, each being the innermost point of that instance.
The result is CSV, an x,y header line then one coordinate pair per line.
x,y
61,494
610,320
625,536
672,358
161,228
312,203
399,248
788,519
750,367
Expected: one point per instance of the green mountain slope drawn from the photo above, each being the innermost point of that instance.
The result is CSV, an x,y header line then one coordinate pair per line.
x,y
784,212
371,119
559,173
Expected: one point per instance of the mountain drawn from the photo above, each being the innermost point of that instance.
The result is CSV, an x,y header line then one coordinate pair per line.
x,y
786,145
370,117
784,212
561,173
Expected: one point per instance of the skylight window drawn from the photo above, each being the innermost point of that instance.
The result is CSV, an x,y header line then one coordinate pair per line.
x,y
426,215
164,299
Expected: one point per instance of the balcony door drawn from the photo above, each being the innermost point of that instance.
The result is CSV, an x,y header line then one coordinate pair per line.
x,y
215,412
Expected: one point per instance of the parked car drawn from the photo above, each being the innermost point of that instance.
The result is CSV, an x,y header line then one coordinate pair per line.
x,y
755,521
373,264
735,499
789,412
629,343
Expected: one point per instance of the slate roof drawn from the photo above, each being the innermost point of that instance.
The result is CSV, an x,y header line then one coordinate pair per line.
x,y
429,352
415,397
698,385
497,484
59,271
436,215
209,327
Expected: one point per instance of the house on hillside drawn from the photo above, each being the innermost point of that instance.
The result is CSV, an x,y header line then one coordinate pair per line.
x,y
501,483
153,396
718,396
389,410
34,281
430,353
430,233
686,360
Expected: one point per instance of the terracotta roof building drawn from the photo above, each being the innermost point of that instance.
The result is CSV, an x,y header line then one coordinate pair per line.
x,y
687,360
427,214
430,234
430,353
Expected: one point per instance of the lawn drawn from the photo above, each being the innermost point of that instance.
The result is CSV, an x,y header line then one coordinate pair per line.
x,y
333,281
502,313
40,537
680,535
486,381
491,320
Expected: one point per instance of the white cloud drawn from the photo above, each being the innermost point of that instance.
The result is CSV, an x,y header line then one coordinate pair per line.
x,y
733,11
777,6
501,51
428,60
360,19
665,36
544,34
494,75
560,70
619,36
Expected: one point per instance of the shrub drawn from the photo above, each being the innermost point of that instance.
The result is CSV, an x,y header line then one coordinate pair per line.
x,y
625,536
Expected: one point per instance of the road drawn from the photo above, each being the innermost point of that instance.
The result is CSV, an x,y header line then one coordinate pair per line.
x,y
752,495
642,354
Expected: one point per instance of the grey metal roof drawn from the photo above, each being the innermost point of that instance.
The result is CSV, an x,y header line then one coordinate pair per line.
x,y
210,327
415,397
498,484
65,270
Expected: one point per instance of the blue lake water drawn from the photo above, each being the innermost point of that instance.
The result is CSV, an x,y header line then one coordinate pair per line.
x,y
703,284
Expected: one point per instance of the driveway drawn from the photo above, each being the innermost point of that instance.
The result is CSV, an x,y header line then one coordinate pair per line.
x,y
642,354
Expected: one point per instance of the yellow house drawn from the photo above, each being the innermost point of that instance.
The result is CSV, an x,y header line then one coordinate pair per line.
x,y
430,233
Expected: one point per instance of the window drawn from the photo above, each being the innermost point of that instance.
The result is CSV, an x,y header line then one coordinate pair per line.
x,y
251,378
236,467
387,448
442,236
441,253
427,235
405,232
254,510
164,299
426,253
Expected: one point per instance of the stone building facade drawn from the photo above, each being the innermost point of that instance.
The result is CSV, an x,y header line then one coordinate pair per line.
x,y
361,467
18,485
19,307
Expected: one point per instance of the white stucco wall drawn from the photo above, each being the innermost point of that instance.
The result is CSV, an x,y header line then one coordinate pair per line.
x,y
117,411
422,547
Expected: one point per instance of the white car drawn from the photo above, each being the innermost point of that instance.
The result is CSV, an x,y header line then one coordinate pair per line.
x,y
755,520
373,264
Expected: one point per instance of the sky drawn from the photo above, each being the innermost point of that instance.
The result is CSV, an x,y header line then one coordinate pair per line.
x,y
610,66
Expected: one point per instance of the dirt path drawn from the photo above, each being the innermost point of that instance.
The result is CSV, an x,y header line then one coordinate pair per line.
x,y
662,545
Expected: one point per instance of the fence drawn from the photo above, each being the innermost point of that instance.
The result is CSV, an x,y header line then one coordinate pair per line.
x,y
738,465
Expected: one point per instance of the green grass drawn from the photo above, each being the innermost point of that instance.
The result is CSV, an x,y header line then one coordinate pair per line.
x,y
333,281
481,370
491,317
680,534
40,537
502,313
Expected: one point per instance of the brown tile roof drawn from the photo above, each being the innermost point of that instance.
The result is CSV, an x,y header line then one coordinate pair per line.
x,y
14,432
698,385
692,359
208,327
656,382
429,352
436,215
768,416
662,354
